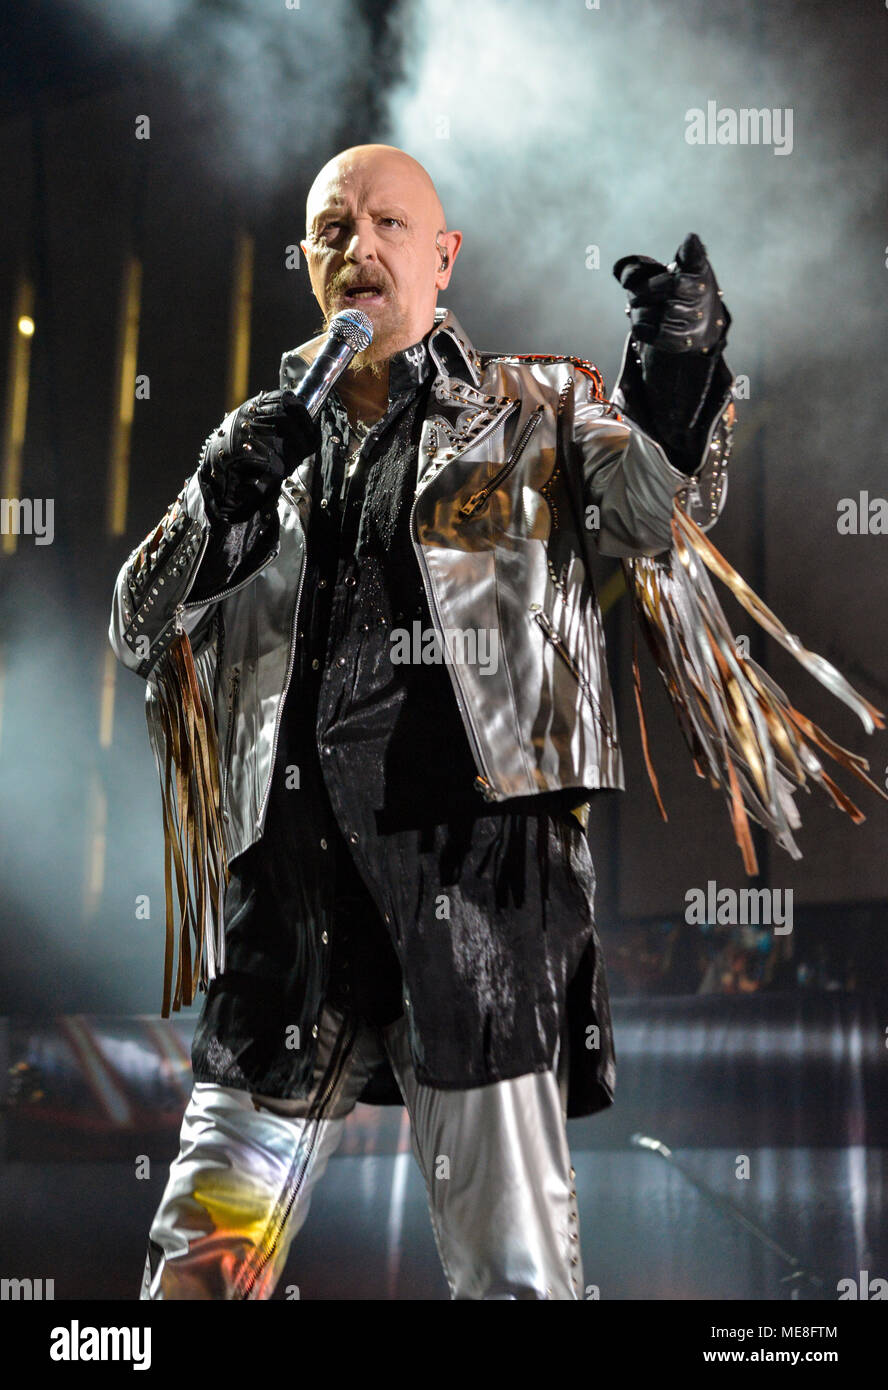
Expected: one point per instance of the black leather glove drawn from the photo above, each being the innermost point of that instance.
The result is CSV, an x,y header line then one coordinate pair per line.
x,y
675,308
256,447
680,326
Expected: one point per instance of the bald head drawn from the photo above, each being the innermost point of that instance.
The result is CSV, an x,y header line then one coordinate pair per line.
x,y
365,165
377,238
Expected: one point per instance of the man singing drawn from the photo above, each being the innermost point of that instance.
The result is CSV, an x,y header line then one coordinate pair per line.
x,y
375,656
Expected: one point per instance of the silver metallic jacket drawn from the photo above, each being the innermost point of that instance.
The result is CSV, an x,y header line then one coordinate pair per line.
x,y
524,469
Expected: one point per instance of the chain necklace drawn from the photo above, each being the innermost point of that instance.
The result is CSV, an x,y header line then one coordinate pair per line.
x,y
357,434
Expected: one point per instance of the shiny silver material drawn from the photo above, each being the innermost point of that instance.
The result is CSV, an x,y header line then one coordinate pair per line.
x,y
511,464
494,1159
348,332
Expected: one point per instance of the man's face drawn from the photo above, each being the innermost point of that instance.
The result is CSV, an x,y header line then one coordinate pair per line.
x,y
373,220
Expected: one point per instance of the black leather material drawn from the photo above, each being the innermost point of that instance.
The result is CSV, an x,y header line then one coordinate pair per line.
x,y
675,308
676,399
675,380
246,460
243,464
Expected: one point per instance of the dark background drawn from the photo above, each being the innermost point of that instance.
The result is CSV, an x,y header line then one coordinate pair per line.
x,y
548,128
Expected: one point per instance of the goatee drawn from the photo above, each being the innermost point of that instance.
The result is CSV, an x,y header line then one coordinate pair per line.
x,y
374,365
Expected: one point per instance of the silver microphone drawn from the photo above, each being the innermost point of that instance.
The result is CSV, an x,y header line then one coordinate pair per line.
x,y
349,332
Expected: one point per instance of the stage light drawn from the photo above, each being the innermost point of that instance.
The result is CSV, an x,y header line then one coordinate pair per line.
x,y
16,409
129,316
241,307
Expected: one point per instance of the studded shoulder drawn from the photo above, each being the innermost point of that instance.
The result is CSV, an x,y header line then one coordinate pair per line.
x,y
588,369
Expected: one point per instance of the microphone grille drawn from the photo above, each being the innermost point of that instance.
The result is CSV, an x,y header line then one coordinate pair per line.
x,y
354,326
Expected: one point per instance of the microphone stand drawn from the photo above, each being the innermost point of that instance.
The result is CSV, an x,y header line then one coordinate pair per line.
x,y
799,1280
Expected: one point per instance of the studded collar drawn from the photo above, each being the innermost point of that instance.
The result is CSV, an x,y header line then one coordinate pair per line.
x,y
447,344
451,348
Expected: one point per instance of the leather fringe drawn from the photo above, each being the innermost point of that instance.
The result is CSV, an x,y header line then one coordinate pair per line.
x,y
187,757
741,729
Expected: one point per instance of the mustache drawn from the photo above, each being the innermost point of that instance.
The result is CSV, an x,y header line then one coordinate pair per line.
x,y
350,280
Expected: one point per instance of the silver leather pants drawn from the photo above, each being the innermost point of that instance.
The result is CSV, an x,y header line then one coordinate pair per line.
x,y
503,1206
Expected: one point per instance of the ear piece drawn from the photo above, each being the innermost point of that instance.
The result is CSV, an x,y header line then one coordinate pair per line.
x,y
445,256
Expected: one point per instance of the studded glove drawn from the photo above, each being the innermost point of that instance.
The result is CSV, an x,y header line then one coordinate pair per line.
x,y
679,326
245,461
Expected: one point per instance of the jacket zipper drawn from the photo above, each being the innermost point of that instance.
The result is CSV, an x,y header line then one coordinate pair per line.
x,y
435,468
344,1044
479,499
232,588
183,607
557,642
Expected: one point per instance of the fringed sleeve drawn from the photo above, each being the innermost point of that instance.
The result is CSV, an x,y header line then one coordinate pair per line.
x,y
742,731
182,731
